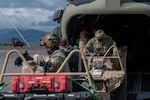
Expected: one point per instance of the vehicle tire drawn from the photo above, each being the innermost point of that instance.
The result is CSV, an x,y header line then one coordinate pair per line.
x,y
21,97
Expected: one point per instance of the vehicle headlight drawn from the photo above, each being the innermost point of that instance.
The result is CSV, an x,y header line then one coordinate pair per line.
x,y
97,73
98,64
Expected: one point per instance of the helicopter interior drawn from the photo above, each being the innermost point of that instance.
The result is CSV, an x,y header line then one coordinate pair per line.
x,y
131,30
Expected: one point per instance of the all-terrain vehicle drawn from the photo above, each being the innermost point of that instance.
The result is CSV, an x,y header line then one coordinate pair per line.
x,y
102,75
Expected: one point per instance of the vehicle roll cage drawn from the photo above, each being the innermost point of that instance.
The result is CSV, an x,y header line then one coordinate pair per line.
x,y
86,74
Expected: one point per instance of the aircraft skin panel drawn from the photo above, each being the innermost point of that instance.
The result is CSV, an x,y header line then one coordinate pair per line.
x,y
140,7
102,7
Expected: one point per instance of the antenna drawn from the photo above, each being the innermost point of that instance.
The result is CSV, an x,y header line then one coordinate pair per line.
x,y
15,28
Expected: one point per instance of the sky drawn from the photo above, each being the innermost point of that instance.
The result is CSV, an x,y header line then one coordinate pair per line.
x,y
29,14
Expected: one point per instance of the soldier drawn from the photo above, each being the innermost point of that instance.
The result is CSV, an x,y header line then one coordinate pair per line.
x,y
53,61
100,43
83,39
63,44
73,61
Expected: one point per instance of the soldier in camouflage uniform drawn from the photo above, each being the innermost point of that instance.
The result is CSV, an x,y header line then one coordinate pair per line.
x,y
99,44
55,57
50,62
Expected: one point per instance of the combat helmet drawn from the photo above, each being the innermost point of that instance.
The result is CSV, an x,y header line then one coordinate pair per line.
x,y
99,34
63,42
50,40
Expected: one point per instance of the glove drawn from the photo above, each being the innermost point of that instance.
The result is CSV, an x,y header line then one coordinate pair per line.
x,y
18,61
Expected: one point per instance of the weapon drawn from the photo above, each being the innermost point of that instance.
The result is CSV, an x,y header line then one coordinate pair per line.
x,y
18,60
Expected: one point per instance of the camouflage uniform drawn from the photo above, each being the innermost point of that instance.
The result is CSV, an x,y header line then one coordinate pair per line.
x,y
100,43
50,62
56,59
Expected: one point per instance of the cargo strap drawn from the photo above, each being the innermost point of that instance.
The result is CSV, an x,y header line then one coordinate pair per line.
x,y
93,94
5,84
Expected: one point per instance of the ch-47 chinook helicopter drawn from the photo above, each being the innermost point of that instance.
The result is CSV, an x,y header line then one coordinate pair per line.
x,y
127,22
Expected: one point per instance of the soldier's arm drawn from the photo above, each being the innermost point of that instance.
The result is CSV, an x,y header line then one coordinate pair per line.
x,y
40,58
89,44
108,42
56,62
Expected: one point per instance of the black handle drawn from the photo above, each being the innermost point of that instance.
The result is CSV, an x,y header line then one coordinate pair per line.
x,y
38,89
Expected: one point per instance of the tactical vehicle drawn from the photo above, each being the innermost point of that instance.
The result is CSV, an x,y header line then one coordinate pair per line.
x,y
17,42
94,84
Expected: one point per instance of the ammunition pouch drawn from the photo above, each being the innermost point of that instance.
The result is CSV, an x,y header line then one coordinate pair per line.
x,y
47,66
